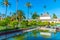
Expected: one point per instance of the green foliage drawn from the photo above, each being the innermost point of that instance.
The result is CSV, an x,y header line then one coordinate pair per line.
x,y
27,24
4,22
13,24
54,16
52,23
28,4
46,23
21,15
48,13
7,20
35,15
2,27
40,23
54,0
44,6
6,3
33,22
24,24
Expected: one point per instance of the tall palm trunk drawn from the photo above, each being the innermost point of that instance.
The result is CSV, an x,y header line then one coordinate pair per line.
x,y
5,17
28,6
16,8
6,12
28,13
44,8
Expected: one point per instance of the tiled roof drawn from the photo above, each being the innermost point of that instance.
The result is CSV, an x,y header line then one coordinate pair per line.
x,y
45,15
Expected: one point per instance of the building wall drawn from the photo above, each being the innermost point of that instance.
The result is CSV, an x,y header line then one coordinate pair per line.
x,y
45,18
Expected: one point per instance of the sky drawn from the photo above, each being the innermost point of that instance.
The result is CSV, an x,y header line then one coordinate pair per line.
x,y
36,6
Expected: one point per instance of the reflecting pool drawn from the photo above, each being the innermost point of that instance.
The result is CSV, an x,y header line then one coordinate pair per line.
x,y
35,35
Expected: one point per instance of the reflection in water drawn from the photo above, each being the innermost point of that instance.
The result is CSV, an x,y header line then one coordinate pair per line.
x,y
35,35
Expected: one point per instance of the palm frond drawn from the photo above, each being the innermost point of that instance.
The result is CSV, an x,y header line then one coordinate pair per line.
x,y
44,6
54,0
28,4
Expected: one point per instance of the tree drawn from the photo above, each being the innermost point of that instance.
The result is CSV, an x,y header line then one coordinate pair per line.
x,y
24,24
35,15
6,4
44,8
5,22
13,17
48,13
52,24
54,0
13,24
16,8
54,16
28,4
0,15
41,14
20,15
39,23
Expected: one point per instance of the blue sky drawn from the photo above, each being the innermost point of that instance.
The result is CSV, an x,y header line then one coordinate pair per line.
x,y
37,6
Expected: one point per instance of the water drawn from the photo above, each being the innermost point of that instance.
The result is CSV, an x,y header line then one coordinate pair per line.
x,y
35,35
9,35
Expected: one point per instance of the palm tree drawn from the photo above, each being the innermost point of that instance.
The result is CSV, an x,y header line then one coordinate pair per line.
x,y
16,8
13,16
6,4
41,14
10,13
54,0
35,15
20,15
0,14
54,16
44,8
28,4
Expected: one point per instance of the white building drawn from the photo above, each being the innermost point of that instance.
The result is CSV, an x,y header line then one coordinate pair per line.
x,y
47,17
56,20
